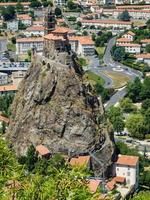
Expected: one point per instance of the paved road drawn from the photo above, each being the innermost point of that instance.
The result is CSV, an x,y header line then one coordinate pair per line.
x,y
141,145
112,66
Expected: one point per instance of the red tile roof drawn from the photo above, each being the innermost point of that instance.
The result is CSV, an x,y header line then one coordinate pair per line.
x,y
111,184
53,37
4,119
81,160
35,28
84,40
14,4
130,33
133,6
101,21
62,30
127,160
119,179
24,17
42,150
4,88
129,45
145,41
93,185
144,55
123,40
31,39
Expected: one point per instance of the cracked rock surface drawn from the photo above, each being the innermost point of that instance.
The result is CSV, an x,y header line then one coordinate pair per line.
x,y
57,107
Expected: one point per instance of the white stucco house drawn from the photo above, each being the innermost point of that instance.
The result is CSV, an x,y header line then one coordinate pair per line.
x,y
25,19
82,45
145,57
12,25
35,31
25,44
129,35
128,167
130,47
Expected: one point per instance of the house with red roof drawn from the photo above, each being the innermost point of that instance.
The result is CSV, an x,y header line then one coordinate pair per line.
x,y
144,57
127,169
82,45
129,35
25,44
25,19
93,185
35,31
81,161
43,151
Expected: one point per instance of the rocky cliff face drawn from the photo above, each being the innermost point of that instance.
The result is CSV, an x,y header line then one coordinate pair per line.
x,y
55,106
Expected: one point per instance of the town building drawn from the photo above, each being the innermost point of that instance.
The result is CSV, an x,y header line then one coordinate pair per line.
x,y
82,45
133,7
129,35
25,19
60,2
17,77
8,89
43,151
130,47
12,25
34,31
6,4
25,44
81,161
63,31
145,57
134,13
128,167
120,41
111,24
3,78
144,42
93,184
38,23
3,44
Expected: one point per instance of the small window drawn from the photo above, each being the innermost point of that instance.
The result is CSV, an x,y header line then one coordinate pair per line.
x,y
128,173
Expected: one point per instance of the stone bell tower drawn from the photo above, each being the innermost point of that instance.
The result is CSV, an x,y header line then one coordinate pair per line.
x,y
50,20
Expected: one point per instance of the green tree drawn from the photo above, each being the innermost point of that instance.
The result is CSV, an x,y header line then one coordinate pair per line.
x,y
35,4
31,158
124,16
3,128
144,195
115,116
147,119
71,5
8,13
85,33
136,126
134,90
145,104
19,7
145,91
13,40
147,48
127,106
113,113
148,23
79,24
118,124
58,12
119,54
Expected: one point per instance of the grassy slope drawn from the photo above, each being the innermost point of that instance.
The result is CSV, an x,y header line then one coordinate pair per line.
x,y
93,78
